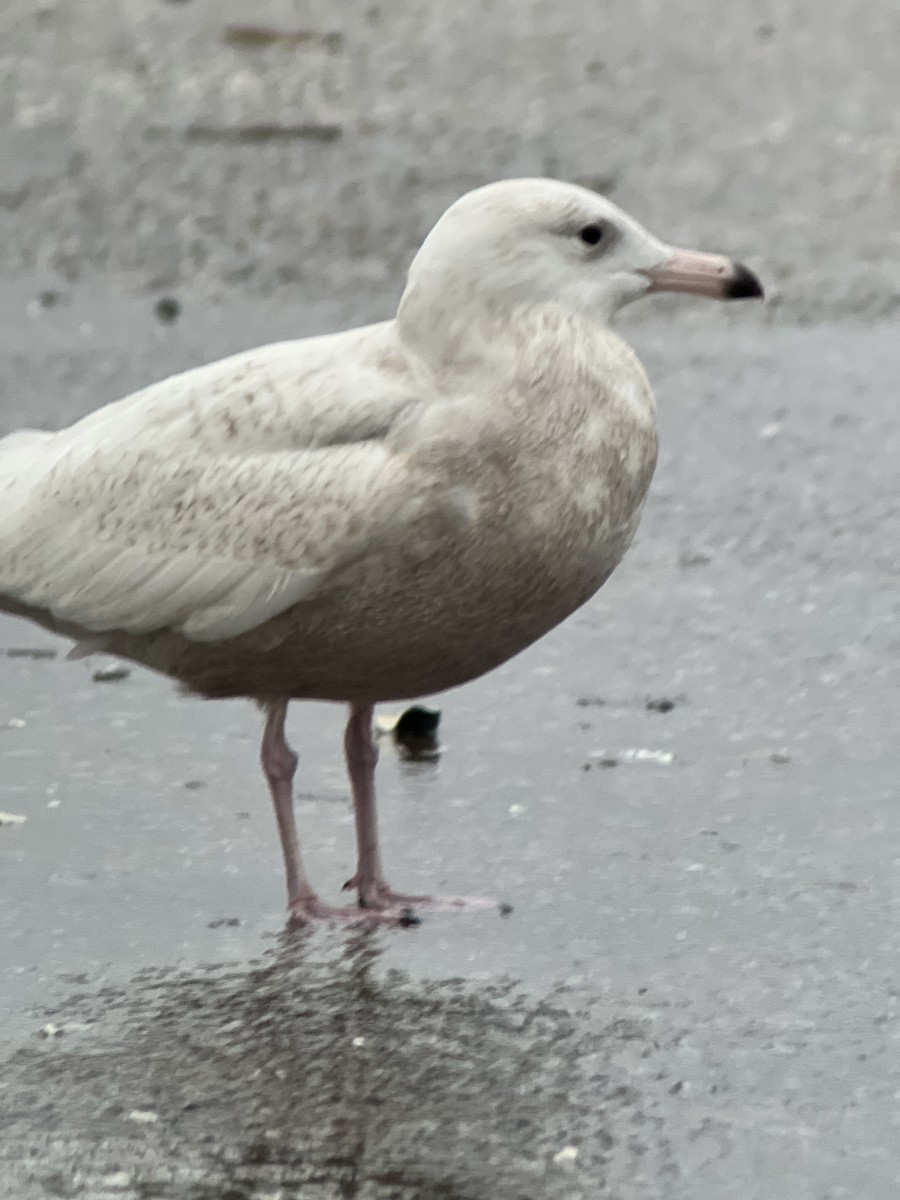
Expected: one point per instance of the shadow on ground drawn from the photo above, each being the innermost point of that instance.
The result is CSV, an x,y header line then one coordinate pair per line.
x,y
307,1075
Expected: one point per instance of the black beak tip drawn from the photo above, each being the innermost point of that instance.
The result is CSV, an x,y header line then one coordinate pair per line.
x,y
743,285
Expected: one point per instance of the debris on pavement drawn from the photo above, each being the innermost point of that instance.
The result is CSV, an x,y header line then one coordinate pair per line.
x,y
111,674
415,731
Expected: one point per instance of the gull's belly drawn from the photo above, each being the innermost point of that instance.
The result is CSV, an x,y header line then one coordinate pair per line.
x,y
454,625
400,625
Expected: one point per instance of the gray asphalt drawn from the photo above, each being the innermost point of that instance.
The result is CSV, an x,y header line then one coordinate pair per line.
x,y
696,994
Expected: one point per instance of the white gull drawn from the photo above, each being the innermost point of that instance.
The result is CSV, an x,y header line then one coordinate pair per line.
x,y
371,515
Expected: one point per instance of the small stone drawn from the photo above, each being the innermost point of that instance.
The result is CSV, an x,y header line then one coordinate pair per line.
x,y
565,1157
167,309
694,558
111,674
642,754
116,1181
633,754
415,731
417,722
359,1041
143,1116
7,818
49,1031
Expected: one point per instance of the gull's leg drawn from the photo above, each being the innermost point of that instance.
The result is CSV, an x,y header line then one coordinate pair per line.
x,y
279,762
361,751
374,892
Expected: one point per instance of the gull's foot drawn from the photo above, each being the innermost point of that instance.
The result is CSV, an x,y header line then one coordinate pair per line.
x,y
381,897
449,903
311,908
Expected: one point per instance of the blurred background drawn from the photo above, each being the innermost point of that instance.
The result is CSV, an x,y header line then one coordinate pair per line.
x,y
311,145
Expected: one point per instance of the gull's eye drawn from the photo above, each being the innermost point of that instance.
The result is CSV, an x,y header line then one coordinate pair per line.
x,y
591,234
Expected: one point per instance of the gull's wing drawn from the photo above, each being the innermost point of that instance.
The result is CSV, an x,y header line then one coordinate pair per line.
x,y
215,500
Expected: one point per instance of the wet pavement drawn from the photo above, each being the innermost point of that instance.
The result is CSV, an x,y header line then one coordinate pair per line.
x,y
688,793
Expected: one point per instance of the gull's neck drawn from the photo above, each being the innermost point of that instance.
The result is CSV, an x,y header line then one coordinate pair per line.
x,y
446,319
457,330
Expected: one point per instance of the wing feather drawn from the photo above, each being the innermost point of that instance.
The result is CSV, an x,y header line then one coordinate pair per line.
x,y
211,513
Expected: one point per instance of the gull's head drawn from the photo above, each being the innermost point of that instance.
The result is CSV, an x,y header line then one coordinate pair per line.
x,y
539,241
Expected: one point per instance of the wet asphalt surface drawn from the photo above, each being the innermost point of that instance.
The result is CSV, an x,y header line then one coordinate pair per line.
x,y
688,792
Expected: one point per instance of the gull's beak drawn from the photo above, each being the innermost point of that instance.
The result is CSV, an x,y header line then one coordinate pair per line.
x,y
704,275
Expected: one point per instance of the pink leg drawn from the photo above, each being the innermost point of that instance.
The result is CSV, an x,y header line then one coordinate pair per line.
x,y
361,752
279,762
374,892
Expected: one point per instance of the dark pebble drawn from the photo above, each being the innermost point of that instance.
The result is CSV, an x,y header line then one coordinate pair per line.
x,y
417,722
110,674
167,309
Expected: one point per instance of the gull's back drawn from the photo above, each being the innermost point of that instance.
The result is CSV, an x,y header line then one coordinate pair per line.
x,y
220,486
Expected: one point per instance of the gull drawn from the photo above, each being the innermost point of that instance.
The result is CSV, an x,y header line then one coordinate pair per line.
x,y
372,515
